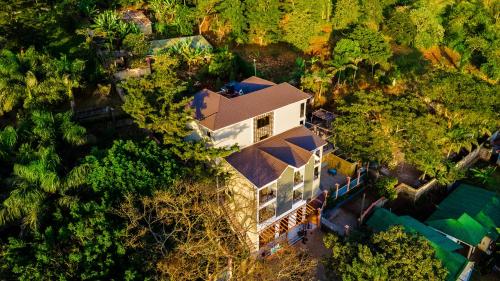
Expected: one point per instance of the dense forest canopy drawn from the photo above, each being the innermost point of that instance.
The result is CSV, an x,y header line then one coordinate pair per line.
x,y
411,81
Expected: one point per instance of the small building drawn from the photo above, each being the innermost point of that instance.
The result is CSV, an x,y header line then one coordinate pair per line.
x,y
139,18
457,265
469,215
195,42
275,182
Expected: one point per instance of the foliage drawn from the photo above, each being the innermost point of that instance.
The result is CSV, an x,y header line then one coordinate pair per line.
x,y
304,21
36,80
157,105
484,175
388,255
136,44
39,179
109,25
401,28
173,17
346,12
386,187
430,32
263,18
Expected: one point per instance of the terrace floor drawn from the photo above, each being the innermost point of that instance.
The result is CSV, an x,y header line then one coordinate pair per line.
x,y
328,181
405,173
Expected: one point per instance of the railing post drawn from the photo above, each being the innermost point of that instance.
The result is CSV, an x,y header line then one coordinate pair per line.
x,y
348,183
337,190
359,176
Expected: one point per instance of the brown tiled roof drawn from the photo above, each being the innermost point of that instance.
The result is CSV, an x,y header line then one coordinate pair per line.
x,y
265,161
215,111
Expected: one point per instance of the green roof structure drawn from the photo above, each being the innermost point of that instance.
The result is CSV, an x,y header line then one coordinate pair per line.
x,y
469,213
454,263
195,42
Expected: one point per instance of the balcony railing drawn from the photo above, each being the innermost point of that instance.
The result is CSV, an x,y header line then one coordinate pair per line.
x,y
266,213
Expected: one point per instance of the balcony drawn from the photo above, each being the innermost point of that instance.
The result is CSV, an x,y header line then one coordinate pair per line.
x,y
267,194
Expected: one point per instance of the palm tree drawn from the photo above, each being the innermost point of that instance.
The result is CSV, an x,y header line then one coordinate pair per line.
x,y
11,81
38,178
32,79
459,138
483,175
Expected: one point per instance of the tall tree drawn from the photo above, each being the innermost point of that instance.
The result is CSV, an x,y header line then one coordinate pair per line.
x,y
39,178
33,79
303,20
263,18
388,255
346,13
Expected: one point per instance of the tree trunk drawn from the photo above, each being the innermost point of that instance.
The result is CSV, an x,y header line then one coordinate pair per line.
x,y
201,25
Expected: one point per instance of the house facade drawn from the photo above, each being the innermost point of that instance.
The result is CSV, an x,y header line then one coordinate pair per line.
x,y
275,183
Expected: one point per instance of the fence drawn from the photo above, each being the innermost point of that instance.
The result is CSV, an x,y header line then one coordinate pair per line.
x,y
348,187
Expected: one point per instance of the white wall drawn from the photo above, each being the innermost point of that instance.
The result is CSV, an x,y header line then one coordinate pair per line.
x,y
240,133
287,117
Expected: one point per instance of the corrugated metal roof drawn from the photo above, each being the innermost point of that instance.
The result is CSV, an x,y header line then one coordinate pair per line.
x,y
467,213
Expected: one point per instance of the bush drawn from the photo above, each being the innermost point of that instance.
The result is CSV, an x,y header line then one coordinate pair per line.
x,y
386,187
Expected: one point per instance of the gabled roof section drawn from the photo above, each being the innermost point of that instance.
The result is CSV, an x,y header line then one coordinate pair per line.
x,y
467,213
215,111
265,161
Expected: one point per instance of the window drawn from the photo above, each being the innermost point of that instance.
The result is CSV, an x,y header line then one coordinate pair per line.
x,y
302,110
263,122
297,195
298,178
316,173
263,127
267,194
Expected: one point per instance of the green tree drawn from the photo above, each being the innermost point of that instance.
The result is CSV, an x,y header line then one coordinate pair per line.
x,y
230,20
430,32
36,80
86,240
346,13
263,18
388,255
304,20
401,28
347,54
373,46
157,104
39,178
472,31
386,187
